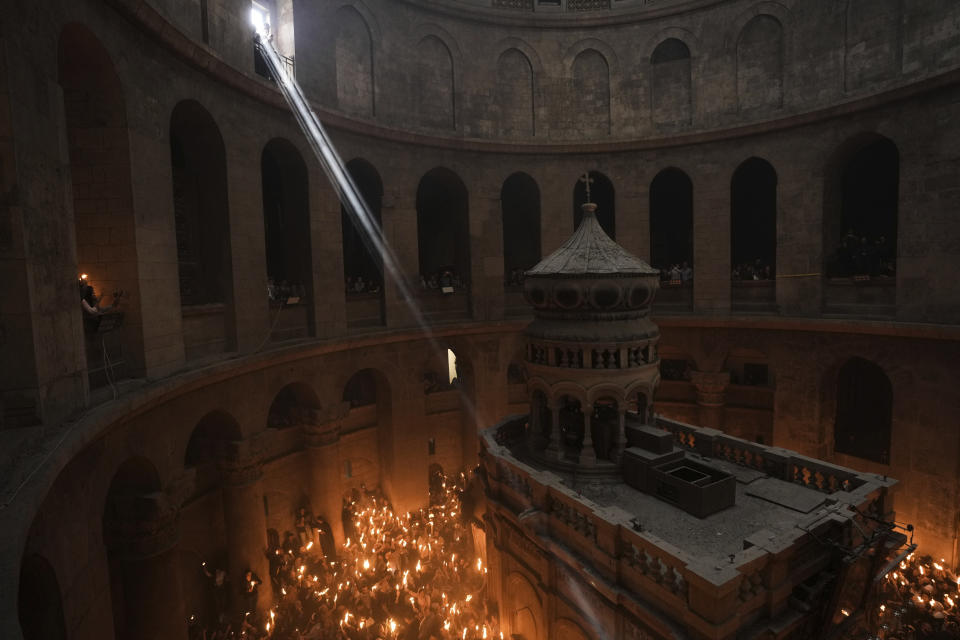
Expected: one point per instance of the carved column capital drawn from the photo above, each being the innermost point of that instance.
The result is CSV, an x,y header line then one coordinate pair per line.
x,y
711,387
241,462
322,427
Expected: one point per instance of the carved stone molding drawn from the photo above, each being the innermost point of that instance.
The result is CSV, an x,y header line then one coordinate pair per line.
x,y
711,387
323,426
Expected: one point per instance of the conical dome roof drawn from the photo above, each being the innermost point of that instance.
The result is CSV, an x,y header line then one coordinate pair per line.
x,y
591,252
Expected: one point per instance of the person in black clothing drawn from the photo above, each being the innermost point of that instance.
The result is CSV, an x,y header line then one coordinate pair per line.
x,y
249,589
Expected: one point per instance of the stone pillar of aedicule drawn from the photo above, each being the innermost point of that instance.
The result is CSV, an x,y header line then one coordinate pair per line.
x,y
246,523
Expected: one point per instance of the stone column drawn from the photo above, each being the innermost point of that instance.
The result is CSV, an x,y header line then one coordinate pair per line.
x,y
711,391
246,524
146,548
322,434
555,443
621,432
588,457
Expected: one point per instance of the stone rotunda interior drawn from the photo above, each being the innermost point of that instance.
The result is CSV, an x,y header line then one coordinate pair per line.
x,y
648,327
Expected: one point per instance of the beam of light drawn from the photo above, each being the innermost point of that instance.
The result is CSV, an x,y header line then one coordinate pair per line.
x,y
347,190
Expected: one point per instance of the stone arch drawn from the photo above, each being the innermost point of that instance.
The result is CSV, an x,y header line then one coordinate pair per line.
x,y
520,219
368,404
861,194
760,64
39,601
525,611
671,83
524,47
688,38
201,217
438,61
354,62
515,95
571,389
605,390
609,54
873,42
567,629
95,114
286,220
590,93
536,383
295,404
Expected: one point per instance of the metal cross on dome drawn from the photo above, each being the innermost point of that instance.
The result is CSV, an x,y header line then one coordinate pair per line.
x,y
587,180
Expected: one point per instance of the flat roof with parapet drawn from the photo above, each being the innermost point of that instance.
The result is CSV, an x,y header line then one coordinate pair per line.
x,y
779,496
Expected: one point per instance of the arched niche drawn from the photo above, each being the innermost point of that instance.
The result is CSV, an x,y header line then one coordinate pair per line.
x,y
670,84
603,195
434,80
39,602
514,97
591,94
520,210
367,439
353,52
760,53
523,609
286,220
864,412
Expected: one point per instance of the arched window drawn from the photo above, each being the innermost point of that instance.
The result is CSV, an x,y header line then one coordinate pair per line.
x,y
671,220
760,64
362,262
670,83
864,411
601,193
286,220
753,221
95,113
200,209
862,203
443,230
520,208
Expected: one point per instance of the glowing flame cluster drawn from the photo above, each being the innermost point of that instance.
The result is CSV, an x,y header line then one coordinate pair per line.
x,y
430,554
916,599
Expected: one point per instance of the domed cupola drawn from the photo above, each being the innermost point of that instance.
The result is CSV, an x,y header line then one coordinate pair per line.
x,y
591,349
